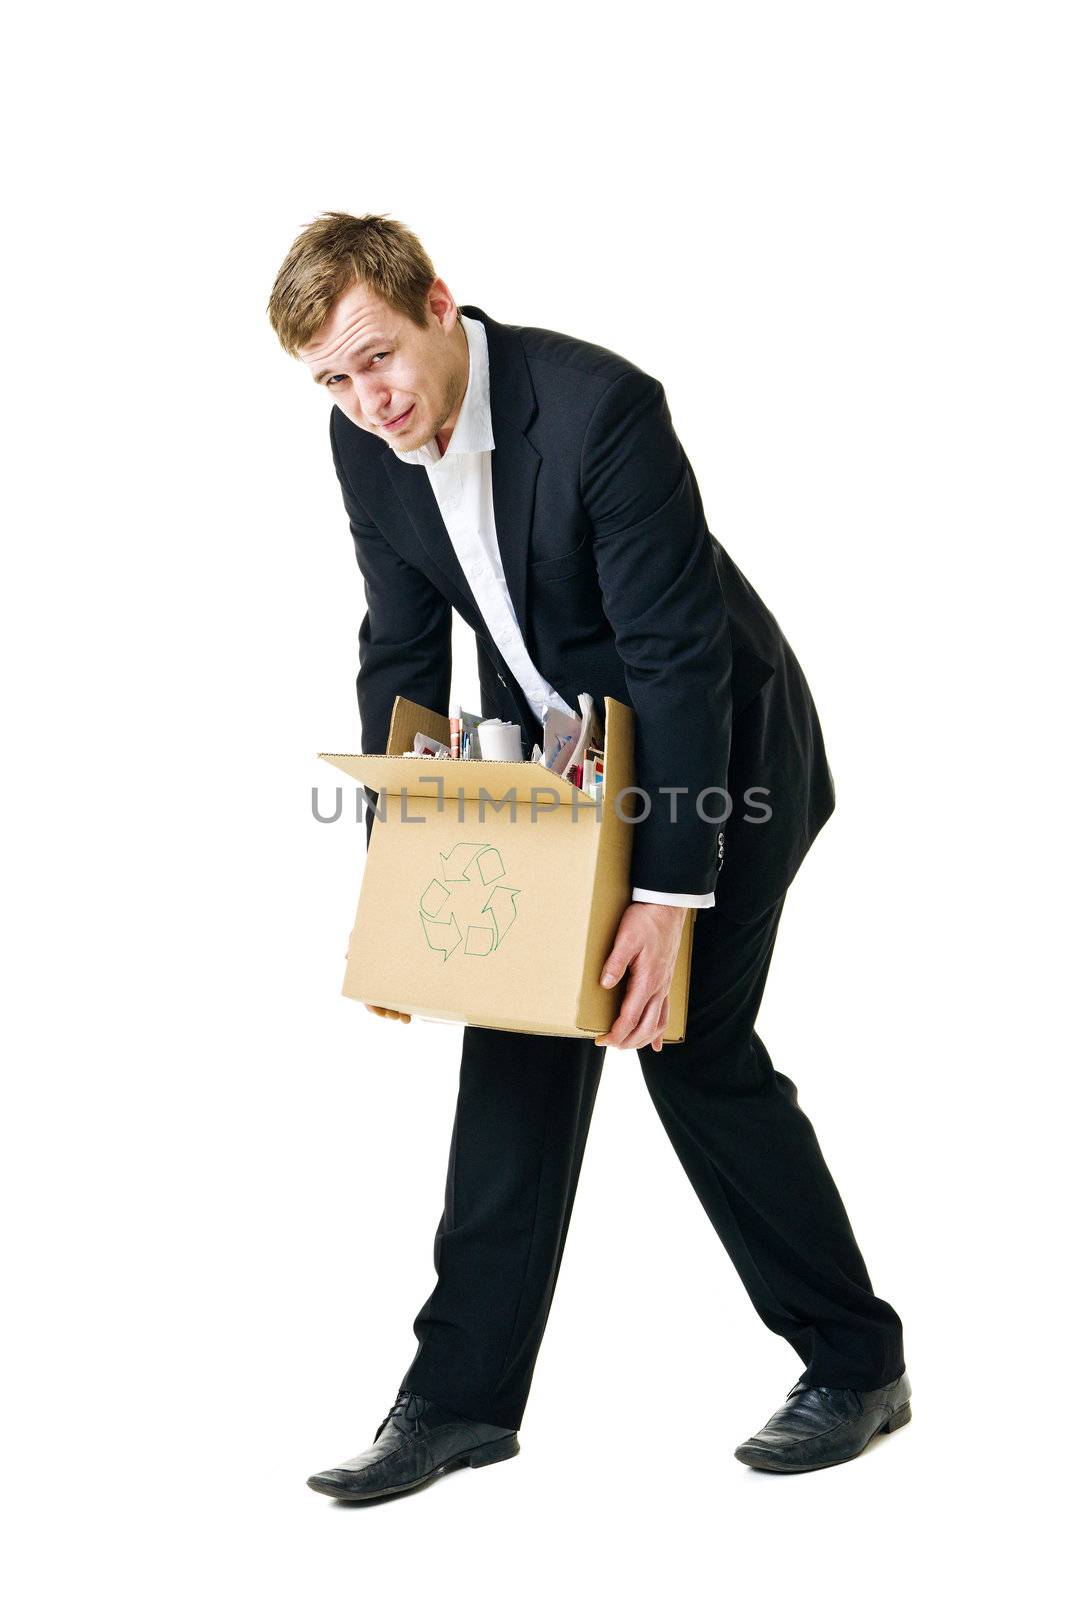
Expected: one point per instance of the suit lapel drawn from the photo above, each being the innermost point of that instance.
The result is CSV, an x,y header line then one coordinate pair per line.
x,y
411,483
515,459
515,464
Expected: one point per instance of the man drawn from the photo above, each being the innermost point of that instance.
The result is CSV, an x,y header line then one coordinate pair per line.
x,y
534,483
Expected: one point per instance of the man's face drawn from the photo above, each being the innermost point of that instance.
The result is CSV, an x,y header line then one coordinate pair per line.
x,y
381,369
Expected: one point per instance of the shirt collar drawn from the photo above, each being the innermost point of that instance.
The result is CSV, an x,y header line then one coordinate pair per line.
x,y
474,430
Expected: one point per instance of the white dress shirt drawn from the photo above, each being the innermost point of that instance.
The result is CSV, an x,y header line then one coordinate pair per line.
x,y
462,481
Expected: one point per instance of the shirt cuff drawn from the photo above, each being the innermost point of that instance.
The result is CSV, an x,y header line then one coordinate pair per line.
x,y
655,897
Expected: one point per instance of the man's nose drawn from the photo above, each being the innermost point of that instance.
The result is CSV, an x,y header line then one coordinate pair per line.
x,y
375,400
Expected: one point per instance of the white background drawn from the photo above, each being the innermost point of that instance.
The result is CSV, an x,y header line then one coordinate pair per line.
x,y
840,235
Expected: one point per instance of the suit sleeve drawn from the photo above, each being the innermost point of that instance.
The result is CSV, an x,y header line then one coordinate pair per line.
x,y
661,593
405,638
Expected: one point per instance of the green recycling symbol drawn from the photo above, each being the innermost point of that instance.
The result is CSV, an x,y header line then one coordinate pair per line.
x,y
467,905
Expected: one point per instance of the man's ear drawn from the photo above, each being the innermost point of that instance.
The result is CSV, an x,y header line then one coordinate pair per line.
x,y
442,305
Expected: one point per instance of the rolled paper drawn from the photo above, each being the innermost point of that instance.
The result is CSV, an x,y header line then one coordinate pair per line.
x,y
500,741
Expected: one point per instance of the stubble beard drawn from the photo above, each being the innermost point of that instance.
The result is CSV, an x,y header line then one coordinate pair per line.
x,y
457,388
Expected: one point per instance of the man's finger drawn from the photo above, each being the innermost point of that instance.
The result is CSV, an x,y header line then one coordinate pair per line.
x,y
662,1023
647,1026
641,986
619,959
631,1009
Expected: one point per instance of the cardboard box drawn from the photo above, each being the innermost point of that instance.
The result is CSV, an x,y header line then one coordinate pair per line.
x,y
493,890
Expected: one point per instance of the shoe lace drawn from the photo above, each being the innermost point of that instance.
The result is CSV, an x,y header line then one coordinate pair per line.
x,y
407,1409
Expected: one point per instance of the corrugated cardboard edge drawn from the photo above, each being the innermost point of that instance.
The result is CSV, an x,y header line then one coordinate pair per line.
x,y
498,1026
679,993
409,718
596,1008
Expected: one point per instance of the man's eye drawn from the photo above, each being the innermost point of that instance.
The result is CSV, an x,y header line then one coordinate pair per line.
x,y
378,357
337,377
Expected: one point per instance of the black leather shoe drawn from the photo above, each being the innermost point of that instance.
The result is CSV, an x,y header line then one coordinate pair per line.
x,y
821,1427
417,1441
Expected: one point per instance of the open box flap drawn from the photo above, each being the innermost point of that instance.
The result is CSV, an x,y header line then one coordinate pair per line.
x,y
425,778
422,776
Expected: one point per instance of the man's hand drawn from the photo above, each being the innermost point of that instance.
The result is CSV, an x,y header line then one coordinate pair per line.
x,y
382,1011
378,1011
647,942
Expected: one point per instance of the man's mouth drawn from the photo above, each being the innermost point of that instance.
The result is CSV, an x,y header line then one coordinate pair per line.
x,y
395,422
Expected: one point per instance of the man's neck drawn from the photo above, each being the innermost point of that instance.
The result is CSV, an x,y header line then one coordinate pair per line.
x,y
443,435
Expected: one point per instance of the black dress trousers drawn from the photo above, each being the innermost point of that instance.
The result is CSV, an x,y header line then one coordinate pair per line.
x,y
521,1121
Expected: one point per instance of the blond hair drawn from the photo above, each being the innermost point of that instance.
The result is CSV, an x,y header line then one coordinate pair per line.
x,y
335,251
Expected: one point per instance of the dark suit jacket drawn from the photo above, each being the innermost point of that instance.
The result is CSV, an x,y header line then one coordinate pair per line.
x,y
620,590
